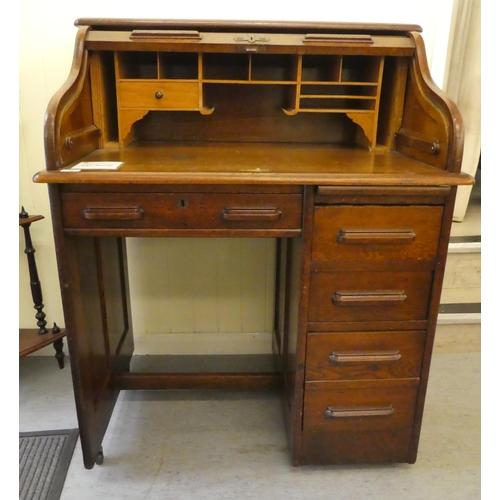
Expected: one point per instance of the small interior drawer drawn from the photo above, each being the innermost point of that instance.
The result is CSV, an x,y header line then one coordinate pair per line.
x,y
374,234
364,355
369,296
182,211
158,95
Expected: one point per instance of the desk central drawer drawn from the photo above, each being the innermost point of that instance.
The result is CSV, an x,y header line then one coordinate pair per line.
x,y
180,211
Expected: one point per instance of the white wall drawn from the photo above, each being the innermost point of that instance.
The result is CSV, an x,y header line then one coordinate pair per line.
x,y
46,38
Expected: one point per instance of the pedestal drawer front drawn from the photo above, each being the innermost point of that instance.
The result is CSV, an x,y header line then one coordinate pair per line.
x,y
364,422
182,211
364,355
375,234
369,296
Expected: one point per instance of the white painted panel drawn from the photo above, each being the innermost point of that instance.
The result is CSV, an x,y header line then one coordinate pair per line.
x,y
182,292
203,286
229,284
148,276
203,343
254,299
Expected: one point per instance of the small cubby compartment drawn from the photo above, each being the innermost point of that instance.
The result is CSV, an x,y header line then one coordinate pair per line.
x,y
137,65
249,68
319,68
361,69
178,65
336,68
273,68
341,104
157,65
349,84
222,67
356,91
339,98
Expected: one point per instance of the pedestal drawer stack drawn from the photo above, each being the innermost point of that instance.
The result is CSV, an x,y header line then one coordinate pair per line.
x,y
371,277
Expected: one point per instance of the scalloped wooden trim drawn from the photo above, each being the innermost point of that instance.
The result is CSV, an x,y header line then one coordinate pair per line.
x,y
127,118
367,123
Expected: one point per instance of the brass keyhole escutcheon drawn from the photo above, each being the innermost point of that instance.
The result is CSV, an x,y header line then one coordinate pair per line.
x,y
182,203
159,94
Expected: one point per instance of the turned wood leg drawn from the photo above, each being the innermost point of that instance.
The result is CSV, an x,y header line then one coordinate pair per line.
x,y
58,346
36,287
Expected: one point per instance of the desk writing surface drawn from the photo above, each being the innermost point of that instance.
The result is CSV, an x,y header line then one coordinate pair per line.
x,y
255,163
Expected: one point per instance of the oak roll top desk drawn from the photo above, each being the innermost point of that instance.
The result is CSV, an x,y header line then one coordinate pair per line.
x,y
331,138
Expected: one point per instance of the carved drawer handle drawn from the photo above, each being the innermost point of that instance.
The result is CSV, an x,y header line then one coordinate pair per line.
x,y
368,297
113,213
338,38
340,357
251,214
360,236
167,34
358,411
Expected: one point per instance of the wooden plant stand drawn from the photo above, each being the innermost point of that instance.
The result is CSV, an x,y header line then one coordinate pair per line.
x,y
33,339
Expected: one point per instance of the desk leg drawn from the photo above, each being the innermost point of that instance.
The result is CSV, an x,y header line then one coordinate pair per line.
x,y
97,314
295,264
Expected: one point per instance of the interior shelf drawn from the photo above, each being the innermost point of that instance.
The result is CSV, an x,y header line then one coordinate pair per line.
x,y
170,81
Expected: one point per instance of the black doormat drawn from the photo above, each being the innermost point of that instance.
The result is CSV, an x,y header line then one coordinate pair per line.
x,y
44,459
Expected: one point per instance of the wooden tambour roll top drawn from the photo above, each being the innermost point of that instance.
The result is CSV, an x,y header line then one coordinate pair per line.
x,y
365,87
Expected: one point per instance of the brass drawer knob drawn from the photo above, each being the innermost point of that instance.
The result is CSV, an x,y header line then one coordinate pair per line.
x,y
159,94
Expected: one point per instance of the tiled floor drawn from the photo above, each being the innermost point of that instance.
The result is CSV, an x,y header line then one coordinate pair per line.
x,y
222,445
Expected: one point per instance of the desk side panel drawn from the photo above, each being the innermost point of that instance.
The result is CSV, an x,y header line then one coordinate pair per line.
x,y
88,346
432,127
70,132
295,327
96,311
116,302
435,299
